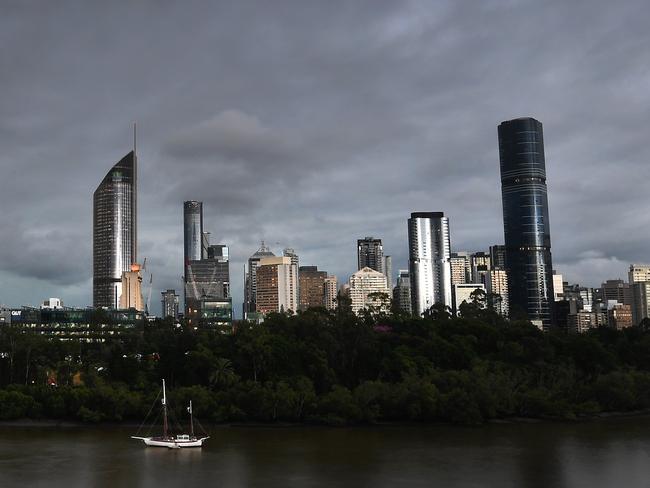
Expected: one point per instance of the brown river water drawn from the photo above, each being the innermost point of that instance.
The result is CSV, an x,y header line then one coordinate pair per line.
x,y
603,453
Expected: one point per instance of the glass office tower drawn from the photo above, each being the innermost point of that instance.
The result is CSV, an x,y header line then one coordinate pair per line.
x,y
114,230
192,231
525,219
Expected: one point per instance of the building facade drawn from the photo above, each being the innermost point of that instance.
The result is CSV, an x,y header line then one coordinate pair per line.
x,y
131,296
620,317
368,288
370,254
429,261
193,235
114,230
402,292
250,286
497,289
461,269
311,287
276,285
169,304
463,294
330,292
525,219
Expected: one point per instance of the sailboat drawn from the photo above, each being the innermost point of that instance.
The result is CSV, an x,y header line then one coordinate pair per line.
x,y
169,441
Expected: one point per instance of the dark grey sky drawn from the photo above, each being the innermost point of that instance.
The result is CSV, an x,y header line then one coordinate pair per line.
x,y
310,124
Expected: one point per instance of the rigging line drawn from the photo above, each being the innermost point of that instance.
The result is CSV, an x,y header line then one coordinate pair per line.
x,y
148,413
200,426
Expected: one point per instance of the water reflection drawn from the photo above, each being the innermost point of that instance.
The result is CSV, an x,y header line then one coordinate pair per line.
x,y
600,454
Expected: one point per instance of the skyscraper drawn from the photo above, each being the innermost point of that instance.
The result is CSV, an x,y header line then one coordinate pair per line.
x,y
402,292
388,271
311,287
250,287
429,260
330,291
368,288
370,254
193,235
114,230
277,285
525,219
169,303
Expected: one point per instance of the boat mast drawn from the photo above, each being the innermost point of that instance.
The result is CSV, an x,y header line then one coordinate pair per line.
x,y
164,402
191,420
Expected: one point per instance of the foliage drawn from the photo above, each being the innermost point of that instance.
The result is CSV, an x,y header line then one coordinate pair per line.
x,y
333,368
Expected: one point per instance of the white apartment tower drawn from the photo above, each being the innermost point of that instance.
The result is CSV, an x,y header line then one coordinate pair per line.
x,y
429,260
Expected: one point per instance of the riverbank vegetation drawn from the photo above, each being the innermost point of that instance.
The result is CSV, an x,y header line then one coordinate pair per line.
x,y
331,368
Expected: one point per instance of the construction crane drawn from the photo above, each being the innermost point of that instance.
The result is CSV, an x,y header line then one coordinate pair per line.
x,y
148,303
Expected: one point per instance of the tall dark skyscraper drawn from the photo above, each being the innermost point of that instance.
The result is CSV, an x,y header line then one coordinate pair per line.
x,y
114,230
370,254
525,219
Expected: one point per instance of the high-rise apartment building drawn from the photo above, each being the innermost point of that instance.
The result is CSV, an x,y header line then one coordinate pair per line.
x,y
402,292
368,288
461,269
370,254
525,219
429,260
497,289
311,287
169,304
276,285
114,230
330,290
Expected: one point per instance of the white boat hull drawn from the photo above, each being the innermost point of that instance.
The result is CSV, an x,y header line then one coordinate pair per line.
x,y
172,443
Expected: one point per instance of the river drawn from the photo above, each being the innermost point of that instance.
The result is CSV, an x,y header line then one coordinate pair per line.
x,y
605,453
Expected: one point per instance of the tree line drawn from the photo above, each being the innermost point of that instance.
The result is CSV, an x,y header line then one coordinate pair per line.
x,y
331,367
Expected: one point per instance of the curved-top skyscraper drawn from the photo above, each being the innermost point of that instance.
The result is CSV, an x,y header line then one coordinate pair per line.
x,y
525,219
114,230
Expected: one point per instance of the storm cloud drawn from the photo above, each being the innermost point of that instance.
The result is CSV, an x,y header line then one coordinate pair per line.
x,y
311,124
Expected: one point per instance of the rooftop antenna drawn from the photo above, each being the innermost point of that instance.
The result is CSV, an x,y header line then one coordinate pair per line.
x,y
134,137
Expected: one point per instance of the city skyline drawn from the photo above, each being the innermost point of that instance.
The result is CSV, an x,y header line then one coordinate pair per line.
x,y
419,138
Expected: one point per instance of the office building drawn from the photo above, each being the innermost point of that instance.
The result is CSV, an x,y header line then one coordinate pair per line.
x,y
639,273
330,290
276,285
193,235
131,296
583,320
311,287
525,219
402,292
52,304
370,254
616,290
250,288
368,289
641,299
480,262
169,304
619,316
463,294
429,261
114,230
498,256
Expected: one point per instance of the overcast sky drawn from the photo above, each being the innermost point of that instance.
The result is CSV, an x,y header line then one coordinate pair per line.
x,y
311,124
